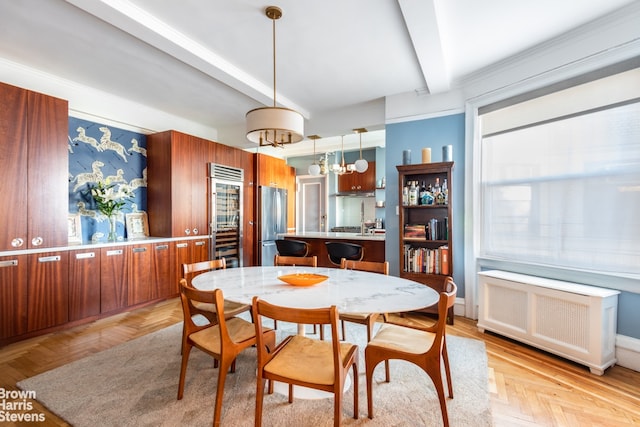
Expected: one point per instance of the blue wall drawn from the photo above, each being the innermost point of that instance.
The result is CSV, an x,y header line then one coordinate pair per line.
x,y
428,133
97,151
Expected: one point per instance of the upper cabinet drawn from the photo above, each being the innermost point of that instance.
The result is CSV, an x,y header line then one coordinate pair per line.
x,y
274,172
354,182
33,169
177,174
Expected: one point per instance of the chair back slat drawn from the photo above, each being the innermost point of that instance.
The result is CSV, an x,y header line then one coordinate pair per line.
x,y
309,261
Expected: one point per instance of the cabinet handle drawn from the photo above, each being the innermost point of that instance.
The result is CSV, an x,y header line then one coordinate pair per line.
x,y
182,245
139,250
37,241
10,263
114,252
86,255
17,242
53,258
195,231
187,231
200,243
162,247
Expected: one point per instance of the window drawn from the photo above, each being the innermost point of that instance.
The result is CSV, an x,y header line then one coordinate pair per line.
x,y
560,178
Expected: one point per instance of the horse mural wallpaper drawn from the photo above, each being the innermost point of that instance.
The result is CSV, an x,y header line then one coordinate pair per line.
x,y
113,161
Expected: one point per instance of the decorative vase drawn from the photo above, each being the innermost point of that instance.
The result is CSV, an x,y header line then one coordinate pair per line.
x,y
113,236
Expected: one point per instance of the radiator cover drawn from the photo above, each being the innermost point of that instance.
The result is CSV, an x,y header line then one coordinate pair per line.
x,y
571,320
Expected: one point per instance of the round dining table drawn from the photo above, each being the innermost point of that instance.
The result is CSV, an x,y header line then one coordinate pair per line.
x,y
350,291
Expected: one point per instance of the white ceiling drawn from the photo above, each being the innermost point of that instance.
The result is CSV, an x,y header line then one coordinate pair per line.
x,y
210,61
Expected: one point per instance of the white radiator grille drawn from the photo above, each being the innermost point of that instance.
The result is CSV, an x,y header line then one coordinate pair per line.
x,y
563,321
571,320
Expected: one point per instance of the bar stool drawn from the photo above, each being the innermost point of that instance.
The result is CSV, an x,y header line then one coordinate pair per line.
x,y
339,250
288,247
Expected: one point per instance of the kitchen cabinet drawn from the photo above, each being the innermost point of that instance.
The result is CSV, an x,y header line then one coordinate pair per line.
x,y
84,284
113,279
161,269
13,296
177,171
426,231
274,172
140,287
356,182
33,169
187,252
47,290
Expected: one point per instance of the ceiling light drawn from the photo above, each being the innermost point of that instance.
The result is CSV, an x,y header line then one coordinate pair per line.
x,y
314,168
342,168
274,126
361,164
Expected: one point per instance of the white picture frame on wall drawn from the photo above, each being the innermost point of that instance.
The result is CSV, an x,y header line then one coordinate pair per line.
x,y
74,229
137,225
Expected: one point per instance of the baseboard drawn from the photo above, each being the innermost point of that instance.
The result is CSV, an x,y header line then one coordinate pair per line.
x,y
628,352
458,307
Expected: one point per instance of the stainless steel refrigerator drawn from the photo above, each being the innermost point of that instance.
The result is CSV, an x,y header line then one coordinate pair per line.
x,y
272,220
225,207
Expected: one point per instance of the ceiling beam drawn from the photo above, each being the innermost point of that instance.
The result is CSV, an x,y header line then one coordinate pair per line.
x,y
139,23
421,20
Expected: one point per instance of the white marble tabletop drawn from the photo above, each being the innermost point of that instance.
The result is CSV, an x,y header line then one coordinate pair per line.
x,y
351,291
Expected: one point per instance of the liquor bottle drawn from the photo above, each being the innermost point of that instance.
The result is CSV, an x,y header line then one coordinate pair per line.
x,y
405,195
422,197
413,194
445,191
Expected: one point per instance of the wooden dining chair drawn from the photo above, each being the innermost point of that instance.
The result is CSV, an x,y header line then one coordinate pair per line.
x,y
308,261
367,319
425,347
189,271
302,361
222,340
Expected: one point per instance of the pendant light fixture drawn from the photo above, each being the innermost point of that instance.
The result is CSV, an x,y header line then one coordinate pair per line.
x,y
361,164
314,168
342,168
274,126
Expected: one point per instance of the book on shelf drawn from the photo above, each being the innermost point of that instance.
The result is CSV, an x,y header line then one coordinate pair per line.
x,y
415,231
426,260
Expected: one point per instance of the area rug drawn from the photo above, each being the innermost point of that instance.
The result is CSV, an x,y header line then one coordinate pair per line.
x,y
135,384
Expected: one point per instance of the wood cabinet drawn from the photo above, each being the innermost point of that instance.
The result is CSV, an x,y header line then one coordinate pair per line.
x,y
113,279
47,290
161,268
425,229
33,169
13,296
140,286
187,252
274,172
177,171
84,284
365,182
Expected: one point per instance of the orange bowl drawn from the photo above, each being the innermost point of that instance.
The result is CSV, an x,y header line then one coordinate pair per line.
x,y
303,279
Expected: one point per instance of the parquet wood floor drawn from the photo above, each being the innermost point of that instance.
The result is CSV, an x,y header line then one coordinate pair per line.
x,y
527,387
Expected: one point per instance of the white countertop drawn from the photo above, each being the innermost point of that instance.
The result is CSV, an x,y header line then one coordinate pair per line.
x,y
333,235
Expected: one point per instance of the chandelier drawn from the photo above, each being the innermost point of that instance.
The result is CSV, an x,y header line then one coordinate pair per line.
x,y
274,126
342,168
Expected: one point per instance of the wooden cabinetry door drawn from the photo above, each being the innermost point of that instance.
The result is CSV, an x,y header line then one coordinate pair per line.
x,y
161,271
84,284
13,166
13,296
47,172
199,184
358,181
113,279
47,290
139,283
187,252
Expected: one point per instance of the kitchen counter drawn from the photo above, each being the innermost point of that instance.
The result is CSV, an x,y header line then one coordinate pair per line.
x,y
372,244
329,235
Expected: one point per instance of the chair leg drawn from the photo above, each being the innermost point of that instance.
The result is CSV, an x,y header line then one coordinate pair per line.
x,y
445,357
259,399
222,375
344,332
183,369
321,332
356,412
436,377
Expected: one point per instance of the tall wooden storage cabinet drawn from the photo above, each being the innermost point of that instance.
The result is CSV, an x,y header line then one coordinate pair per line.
x,y
425,229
